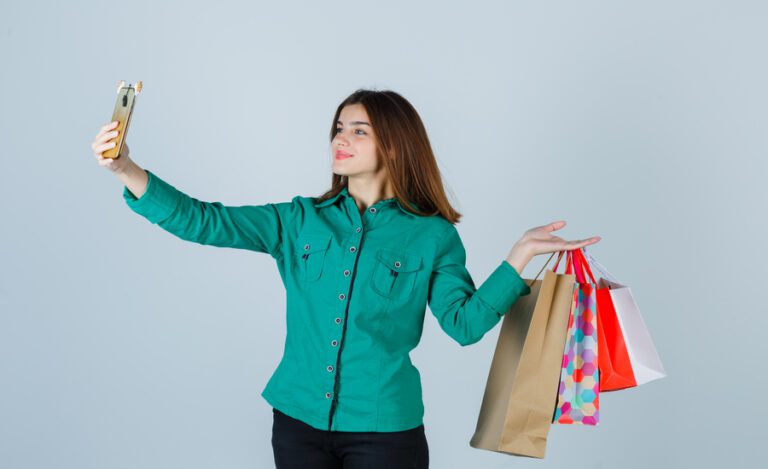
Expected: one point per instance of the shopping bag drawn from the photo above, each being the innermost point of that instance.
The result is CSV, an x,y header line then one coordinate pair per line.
x,y
519,398
644,359
578,399
613,360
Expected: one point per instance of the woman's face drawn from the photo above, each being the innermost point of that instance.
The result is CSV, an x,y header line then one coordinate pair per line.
x,y
354,136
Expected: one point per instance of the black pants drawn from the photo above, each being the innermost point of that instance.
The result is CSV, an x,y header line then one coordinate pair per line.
x,y
298,445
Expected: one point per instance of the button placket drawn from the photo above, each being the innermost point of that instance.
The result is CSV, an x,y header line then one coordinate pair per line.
x,y
347,272
335,349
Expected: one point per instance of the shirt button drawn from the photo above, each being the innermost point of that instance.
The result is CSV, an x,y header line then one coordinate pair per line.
x,y
341,297
358,229
352,249
334,343
338,320
306,247
372,209
327,395
397,263
330,368
346,273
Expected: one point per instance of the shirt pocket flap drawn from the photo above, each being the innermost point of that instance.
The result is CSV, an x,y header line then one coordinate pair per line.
x,y
399,261
312,242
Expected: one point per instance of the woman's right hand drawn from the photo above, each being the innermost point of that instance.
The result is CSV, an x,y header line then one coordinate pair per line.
x,y
539,240
102,142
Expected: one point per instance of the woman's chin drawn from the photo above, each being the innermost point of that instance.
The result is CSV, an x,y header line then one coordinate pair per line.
x,y
341,170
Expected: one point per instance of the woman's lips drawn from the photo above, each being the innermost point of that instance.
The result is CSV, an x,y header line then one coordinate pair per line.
x,y
341,156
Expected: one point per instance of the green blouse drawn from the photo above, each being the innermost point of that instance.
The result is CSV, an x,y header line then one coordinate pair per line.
x,y
357,286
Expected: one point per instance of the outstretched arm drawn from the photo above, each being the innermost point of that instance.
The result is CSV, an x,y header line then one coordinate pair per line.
x,y
253,227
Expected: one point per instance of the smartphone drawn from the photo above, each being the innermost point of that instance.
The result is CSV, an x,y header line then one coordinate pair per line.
x,y
126,98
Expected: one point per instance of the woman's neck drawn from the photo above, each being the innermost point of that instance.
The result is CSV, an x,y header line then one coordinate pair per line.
x,y
368,193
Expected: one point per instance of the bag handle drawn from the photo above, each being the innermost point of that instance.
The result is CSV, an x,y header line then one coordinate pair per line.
x,y
582,264
568,263
544,266
557,262
575,267
571,267
579,262
599,267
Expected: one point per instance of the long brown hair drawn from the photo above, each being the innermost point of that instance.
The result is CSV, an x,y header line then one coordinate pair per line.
x,y
403,146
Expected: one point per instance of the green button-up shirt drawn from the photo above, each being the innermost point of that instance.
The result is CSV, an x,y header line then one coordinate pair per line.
x,y
357,286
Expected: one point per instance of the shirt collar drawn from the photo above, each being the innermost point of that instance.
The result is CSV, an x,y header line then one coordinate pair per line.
x,y
345,193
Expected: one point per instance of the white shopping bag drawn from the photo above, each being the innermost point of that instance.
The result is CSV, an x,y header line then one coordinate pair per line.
x,y
646,364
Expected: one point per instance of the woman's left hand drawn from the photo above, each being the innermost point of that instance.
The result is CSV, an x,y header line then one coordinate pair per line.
x,y
539,240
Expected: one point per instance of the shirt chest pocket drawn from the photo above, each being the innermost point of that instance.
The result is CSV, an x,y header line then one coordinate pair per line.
x,y
394,273
311,250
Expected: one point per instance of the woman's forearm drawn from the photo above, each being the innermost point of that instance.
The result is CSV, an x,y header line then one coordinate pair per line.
x,y
134,178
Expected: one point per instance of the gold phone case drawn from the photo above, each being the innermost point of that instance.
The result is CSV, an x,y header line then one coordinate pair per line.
x,y
126,97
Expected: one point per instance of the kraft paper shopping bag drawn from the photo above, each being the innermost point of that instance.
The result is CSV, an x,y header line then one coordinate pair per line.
x,y
521,390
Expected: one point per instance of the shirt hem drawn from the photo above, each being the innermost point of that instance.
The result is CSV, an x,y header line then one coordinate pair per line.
x,y
321,423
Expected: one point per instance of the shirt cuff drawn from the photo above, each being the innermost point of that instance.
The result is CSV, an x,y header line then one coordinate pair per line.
x,y
157,203
502,288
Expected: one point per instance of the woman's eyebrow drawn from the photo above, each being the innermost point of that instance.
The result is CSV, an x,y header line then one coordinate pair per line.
x,y
356,123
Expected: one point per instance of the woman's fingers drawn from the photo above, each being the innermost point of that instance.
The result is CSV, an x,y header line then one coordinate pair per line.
x,y
555,225
103,147
106,136
97,143
581,243
106,128
555,244
548,228
102,142
110,135
544,229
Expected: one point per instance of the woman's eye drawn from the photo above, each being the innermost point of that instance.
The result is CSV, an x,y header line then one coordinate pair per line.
x,y
339,129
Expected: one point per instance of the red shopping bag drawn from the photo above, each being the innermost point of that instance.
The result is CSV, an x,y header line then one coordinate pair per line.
x,y
613,359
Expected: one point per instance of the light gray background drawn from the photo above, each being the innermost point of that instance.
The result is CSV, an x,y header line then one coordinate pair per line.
x,y
122,346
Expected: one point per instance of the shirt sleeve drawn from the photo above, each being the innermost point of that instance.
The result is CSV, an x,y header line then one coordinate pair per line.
x,y
253,227
464,312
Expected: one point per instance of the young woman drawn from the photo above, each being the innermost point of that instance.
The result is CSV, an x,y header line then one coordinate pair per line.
x,y
360,264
